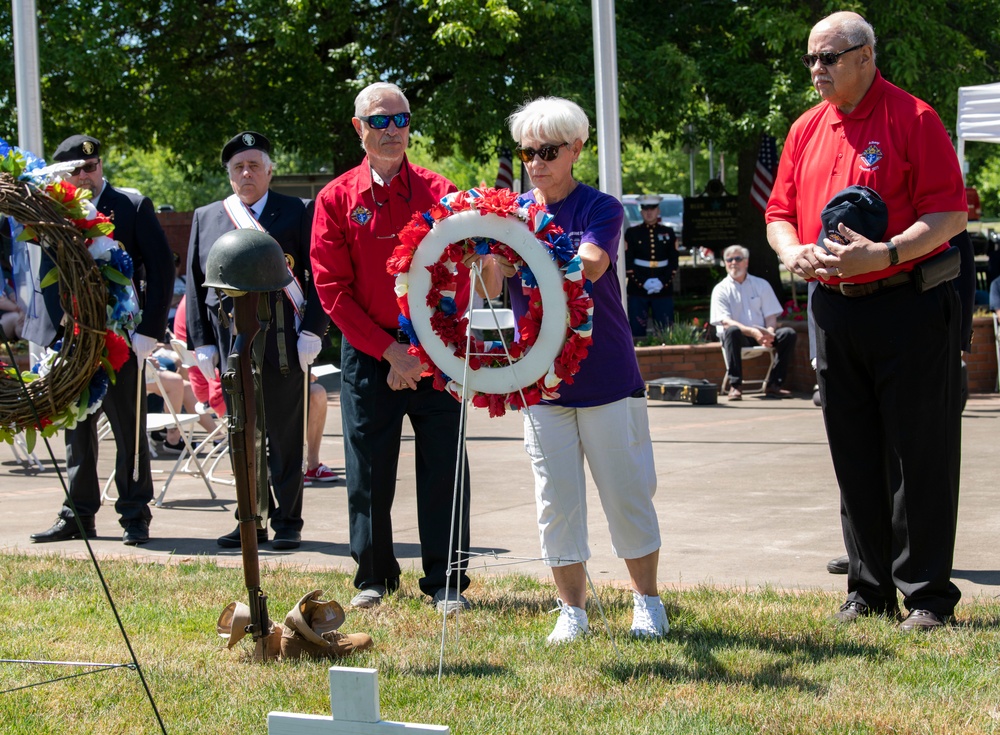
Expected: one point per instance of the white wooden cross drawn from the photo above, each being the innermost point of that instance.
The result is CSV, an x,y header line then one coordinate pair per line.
x,y
354,708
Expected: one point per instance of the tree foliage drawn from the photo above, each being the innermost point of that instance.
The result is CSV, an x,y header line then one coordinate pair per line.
x,y
182,76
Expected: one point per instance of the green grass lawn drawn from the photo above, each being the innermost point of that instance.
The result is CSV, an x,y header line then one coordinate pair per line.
x,y
736,661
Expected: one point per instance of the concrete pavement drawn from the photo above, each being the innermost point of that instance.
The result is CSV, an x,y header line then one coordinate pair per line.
x,y
746,498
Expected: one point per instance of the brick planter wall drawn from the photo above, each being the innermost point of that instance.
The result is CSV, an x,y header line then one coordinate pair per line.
x,y
705,361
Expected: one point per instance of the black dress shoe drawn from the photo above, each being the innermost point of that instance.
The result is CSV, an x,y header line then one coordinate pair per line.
x,y
136,533
923,620
838,565
64,530
854,609
232,540
284,540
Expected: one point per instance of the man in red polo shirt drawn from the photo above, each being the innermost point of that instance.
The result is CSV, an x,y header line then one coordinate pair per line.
x,y
357,218
888,353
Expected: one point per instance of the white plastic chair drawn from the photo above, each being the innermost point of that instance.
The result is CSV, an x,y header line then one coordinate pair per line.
x,y
183,422
22,455
219,448
491,319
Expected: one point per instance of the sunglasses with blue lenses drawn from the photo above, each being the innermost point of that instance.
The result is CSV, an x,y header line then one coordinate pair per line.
x,y
381,122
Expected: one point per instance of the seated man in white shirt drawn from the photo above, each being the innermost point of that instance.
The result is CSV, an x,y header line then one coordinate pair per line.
x,y
745,313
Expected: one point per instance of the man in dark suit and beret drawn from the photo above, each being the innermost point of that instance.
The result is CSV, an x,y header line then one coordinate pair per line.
x,y
294,338
139,232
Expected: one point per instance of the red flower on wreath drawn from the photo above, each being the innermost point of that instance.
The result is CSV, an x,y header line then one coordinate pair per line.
x,y
118,350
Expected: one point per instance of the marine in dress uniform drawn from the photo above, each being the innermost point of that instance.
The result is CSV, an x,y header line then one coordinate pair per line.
x,y
650,264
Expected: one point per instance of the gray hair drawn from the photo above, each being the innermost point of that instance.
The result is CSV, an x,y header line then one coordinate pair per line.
x,y
365,98
736,249
550,119
857,32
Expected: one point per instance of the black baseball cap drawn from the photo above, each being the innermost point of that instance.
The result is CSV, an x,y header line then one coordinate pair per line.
x,y
859,208
245,141
76,148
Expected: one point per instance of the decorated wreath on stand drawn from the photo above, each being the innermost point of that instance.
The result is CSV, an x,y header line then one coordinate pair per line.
x,y
95,291
499,375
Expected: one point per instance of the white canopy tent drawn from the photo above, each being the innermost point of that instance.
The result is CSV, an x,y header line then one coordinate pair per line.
x,y
978,116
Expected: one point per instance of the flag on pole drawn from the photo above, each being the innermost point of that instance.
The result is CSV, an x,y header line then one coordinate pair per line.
x,y
505,174
763,175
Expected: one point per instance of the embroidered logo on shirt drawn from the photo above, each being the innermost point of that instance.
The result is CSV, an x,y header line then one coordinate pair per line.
x,y
871,155
361,214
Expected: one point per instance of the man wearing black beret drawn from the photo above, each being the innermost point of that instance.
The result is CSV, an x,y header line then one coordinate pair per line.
x,y
294,339
139,232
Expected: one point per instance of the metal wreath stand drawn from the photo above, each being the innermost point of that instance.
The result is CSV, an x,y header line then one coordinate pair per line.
x,y
514,377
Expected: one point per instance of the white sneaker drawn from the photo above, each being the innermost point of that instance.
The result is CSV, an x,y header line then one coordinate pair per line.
x,y
572,624
649,619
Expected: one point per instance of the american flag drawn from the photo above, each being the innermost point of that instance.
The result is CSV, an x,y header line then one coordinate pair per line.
x,y
505,174
763,174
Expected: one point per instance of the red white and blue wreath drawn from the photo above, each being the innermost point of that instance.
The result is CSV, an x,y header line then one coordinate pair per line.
x,y
426,263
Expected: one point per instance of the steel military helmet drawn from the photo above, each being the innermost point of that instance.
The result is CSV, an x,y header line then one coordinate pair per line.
x,y
246,260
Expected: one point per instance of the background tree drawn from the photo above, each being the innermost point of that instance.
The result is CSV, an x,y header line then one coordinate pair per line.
x,y
182,76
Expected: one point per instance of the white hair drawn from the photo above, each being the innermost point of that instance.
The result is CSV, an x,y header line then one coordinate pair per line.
x,y
550,119
367,96
736,249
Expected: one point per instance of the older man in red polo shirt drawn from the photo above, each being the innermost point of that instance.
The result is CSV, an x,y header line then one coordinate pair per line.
x,y
358,216
888,354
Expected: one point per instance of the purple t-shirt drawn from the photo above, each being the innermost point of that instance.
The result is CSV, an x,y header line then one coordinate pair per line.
x,y
610,372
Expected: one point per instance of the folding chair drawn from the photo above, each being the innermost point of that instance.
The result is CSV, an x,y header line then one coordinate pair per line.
x,y
748,353
491,319
183,422
22,455
219,448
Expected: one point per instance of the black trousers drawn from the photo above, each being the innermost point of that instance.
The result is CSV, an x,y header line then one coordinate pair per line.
x,y
119,405
372,416
733,340
284,404
889,371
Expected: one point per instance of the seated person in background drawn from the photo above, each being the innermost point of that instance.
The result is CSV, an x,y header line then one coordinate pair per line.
x,y
209,392
11,315
745,313
995,296
182,399
316,471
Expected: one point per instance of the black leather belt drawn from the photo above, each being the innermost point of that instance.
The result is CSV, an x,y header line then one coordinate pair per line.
x,y
853,290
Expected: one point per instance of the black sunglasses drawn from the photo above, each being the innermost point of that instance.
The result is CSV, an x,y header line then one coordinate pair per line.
x,y
735,259
88,167
826,58
381,122
546,152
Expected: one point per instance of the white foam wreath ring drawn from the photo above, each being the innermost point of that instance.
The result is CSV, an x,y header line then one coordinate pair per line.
x,y
518,237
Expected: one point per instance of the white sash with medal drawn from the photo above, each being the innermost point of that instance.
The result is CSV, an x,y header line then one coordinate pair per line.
x,y
243,219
